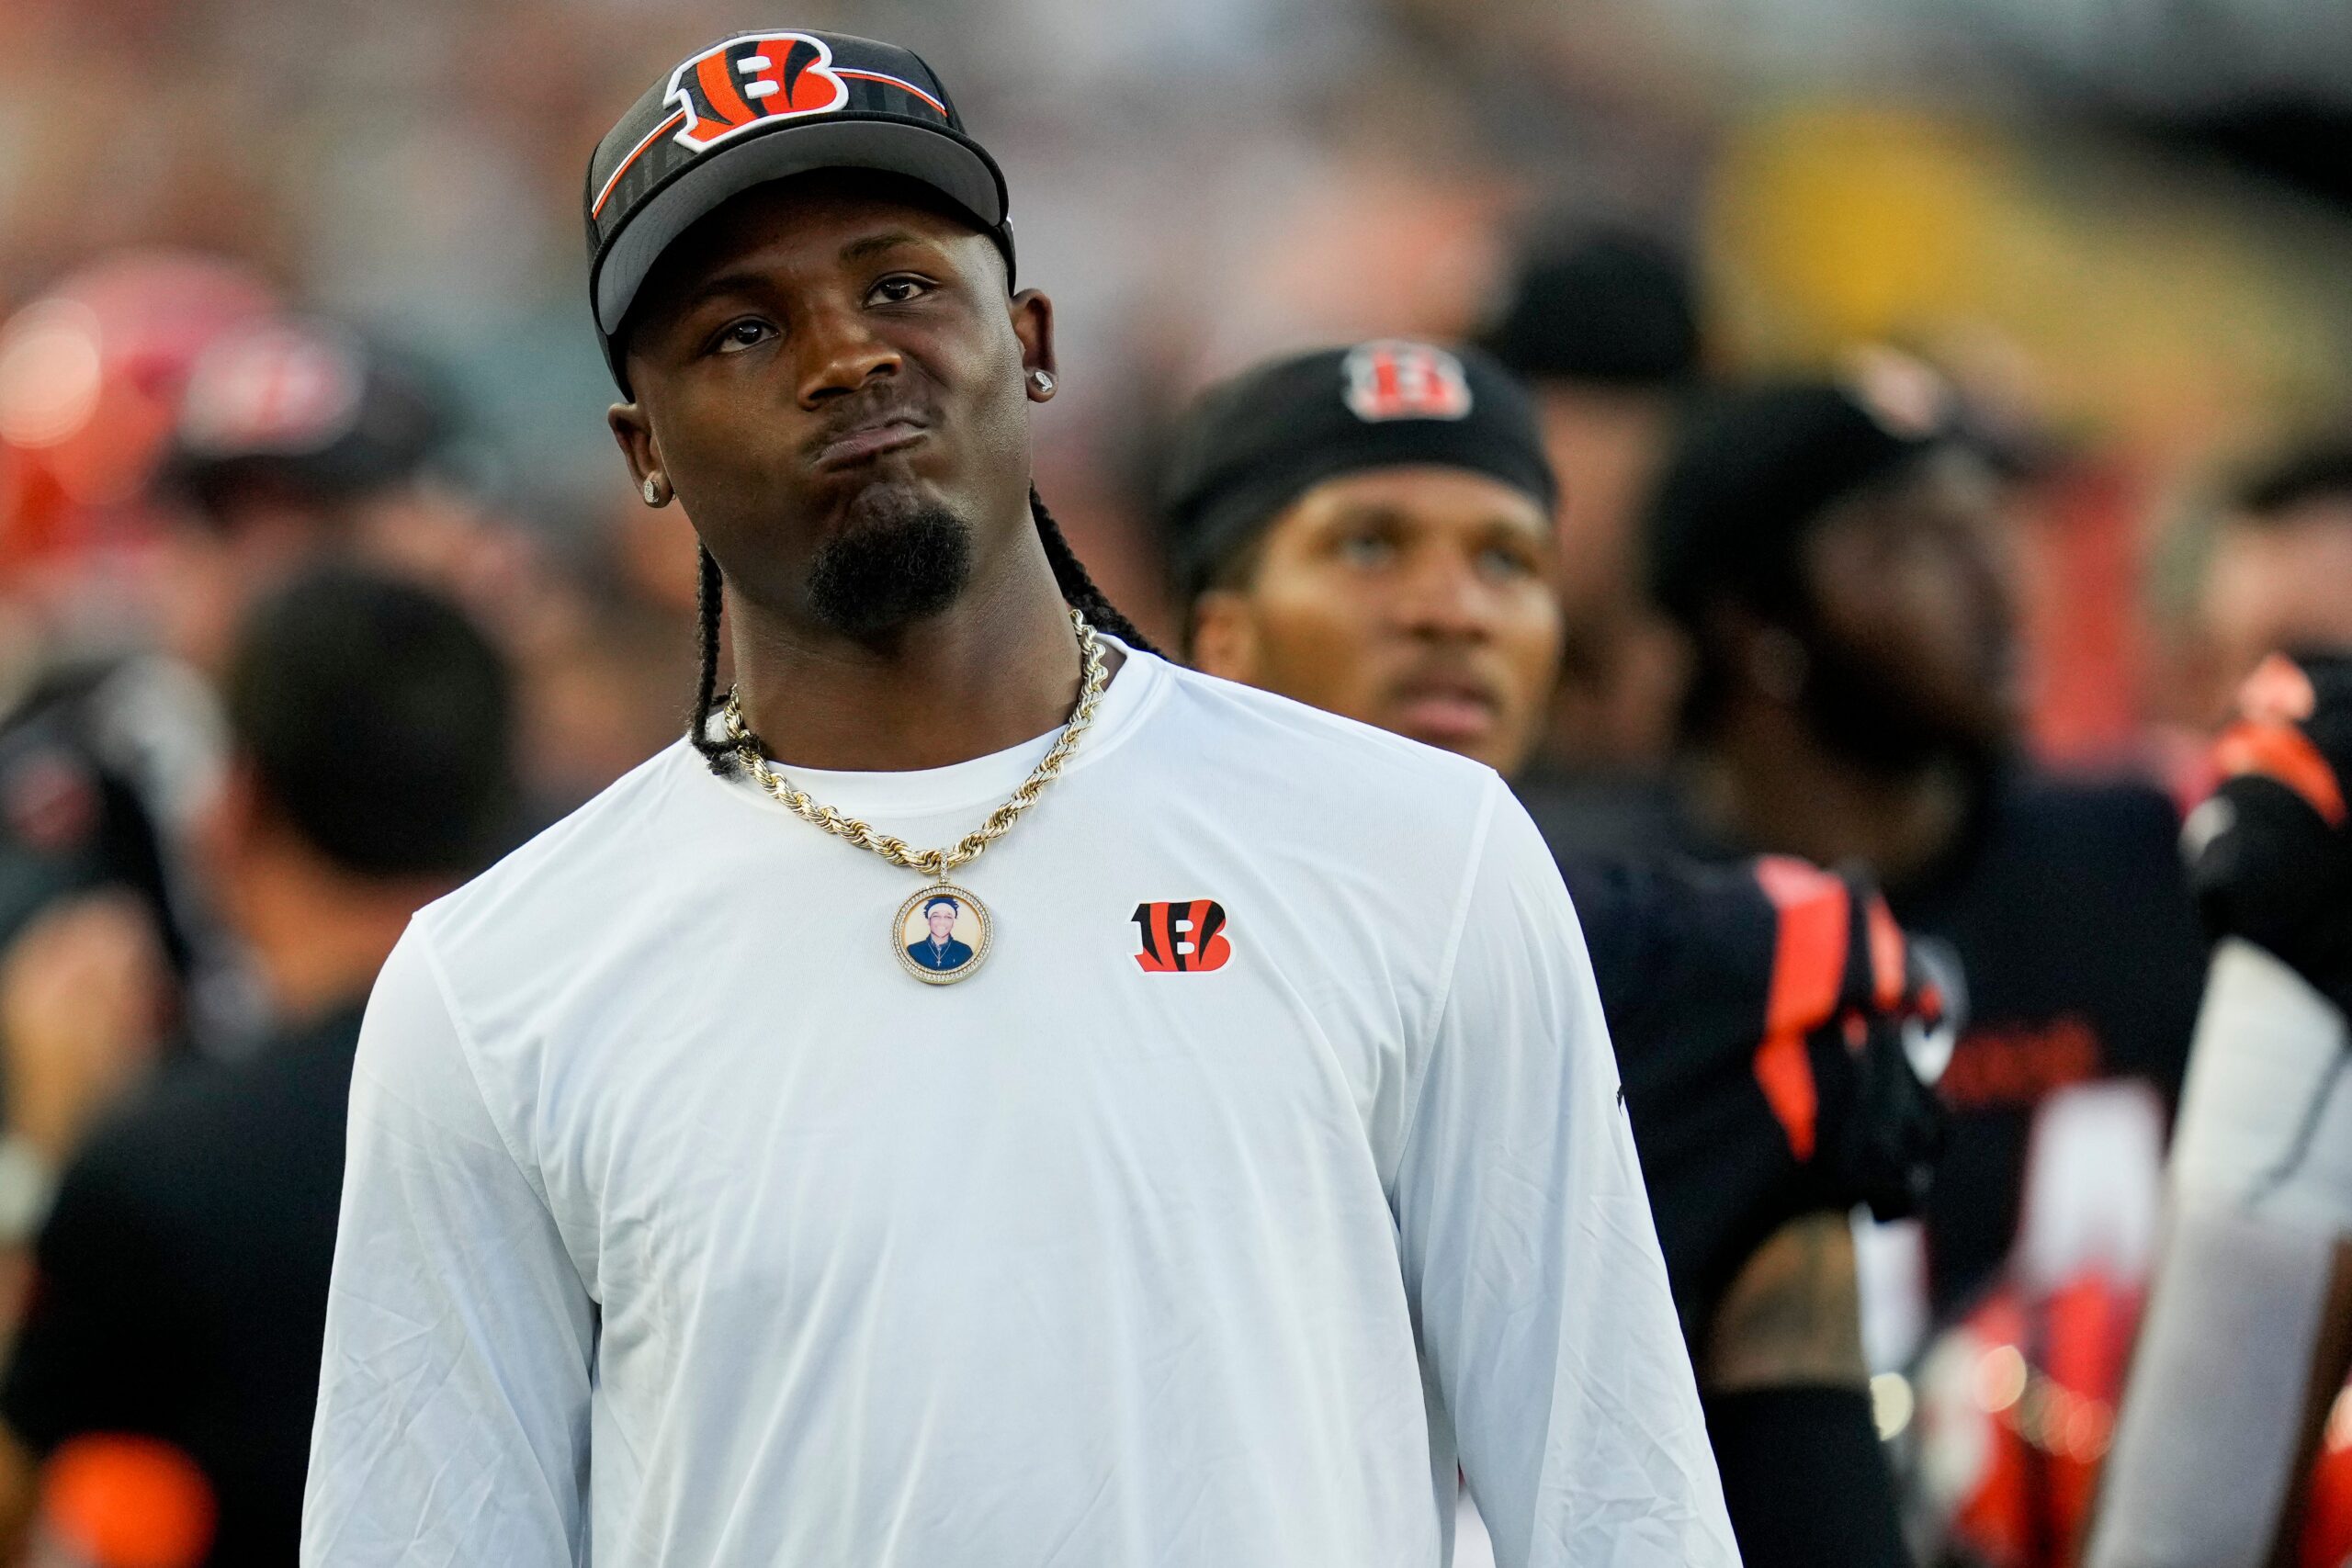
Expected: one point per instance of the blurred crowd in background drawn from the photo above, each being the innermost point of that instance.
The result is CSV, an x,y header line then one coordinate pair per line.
x,y
283,283
2119,227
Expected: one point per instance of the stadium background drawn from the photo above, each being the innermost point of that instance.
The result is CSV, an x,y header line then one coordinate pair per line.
x,y
2119,226
2118,221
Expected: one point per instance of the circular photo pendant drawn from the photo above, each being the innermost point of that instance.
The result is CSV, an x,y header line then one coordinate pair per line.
x,y
941,934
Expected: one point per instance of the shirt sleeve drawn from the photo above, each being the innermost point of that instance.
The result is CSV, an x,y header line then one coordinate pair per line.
x,y
453,1413
1530,1257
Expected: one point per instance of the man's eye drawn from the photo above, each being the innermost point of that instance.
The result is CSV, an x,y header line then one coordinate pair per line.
x,y
898,290
1365,550
736,336
1504,564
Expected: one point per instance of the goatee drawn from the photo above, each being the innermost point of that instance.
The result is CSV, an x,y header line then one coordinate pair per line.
x,y
894,559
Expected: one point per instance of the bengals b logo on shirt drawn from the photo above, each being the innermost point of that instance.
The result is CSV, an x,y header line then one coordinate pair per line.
x,y
1182,938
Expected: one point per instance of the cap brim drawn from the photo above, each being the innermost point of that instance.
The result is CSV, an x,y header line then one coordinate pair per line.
x,y
940,159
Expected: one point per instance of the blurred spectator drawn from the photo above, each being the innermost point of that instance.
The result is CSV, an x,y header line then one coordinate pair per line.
x,y
1837,561
182,1273
2280,575
176,449
107,752
297,441
607,668
294,440
102,766
1606,332
86,997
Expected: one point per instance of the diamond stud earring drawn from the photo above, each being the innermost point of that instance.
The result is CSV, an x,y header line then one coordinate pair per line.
x,y
1043,380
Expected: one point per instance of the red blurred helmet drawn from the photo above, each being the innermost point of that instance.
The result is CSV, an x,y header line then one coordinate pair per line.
x,y
90,381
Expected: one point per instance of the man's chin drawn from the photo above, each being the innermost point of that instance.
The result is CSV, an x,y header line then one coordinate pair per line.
x,y
873,493
895,556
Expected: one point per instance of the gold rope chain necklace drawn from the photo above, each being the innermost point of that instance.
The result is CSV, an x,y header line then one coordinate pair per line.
x,y
943,932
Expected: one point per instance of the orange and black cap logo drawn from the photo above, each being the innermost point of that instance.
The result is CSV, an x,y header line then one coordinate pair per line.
x,y
727,90
753,80
674,155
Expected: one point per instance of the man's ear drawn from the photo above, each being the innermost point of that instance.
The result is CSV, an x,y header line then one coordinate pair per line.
x,y
1033,323
1225,636
226,829
634,435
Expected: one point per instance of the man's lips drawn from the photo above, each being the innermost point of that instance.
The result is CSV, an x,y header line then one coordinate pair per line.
x,y
1444,711
864,443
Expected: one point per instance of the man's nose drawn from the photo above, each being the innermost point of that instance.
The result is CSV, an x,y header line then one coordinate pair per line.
x,y
1442,597
838,354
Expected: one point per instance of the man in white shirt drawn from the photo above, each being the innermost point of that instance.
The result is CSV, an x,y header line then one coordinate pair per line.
x,y
1262,1163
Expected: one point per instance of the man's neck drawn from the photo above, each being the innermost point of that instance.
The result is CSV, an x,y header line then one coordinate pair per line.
x,y
1767,783
997,668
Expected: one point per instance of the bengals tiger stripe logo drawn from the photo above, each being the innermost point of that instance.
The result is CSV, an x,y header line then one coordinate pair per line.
x,y
730,87
1182,938
752,81
1394,380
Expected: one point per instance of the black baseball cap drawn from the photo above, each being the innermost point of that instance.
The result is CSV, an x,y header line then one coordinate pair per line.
x,y
764,106
1613,309
1252,445
1757,466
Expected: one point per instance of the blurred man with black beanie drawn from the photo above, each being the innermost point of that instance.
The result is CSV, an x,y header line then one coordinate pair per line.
x,y
182,1273
1603,327
1834,554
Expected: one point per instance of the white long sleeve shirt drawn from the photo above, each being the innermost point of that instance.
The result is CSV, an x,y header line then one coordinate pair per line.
x,y
681,1227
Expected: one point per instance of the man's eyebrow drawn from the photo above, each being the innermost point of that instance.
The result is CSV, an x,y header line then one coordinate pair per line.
x,y
1518,522
743,282
1372,514
752,281
874,244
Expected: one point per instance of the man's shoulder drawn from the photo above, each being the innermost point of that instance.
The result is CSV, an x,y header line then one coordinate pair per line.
x,y
1302,750
1301,793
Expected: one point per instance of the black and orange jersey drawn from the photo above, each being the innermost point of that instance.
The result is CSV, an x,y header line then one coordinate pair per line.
x,y
2065,908
1762,1015
2071,915
1683,955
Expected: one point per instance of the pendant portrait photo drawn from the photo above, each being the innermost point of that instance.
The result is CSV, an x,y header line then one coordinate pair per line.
x,y
942,934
